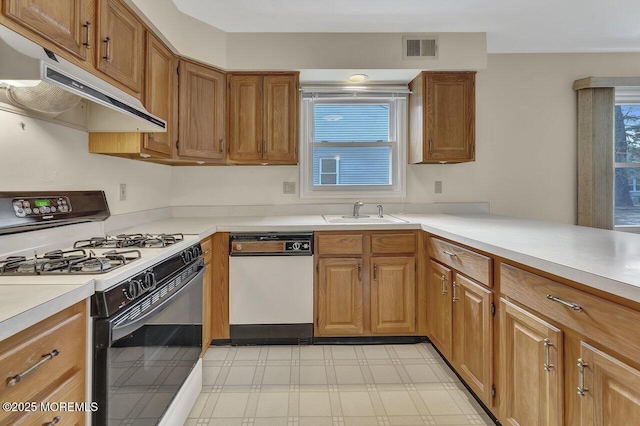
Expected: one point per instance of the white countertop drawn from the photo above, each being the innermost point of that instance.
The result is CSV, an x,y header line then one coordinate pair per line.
x,y
605,260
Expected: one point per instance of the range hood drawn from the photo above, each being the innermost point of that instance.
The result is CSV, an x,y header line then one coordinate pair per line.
x,y
33,76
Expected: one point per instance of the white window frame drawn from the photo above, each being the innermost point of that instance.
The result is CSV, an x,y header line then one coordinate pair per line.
x,y
397,131
624,99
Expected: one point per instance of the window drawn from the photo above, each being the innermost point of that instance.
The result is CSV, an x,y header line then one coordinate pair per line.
x,y
627,165
353,146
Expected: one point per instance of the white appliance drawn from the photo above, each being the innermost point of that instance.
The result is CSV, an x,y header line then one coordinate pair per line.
x,y
271,287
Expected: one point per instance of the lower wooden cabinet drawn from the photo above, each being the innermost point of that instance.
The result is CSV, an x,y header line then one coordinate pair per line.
x,y
340,297
207,299
393,300
53,352
473,335
365,284
607,388
531,370
439,309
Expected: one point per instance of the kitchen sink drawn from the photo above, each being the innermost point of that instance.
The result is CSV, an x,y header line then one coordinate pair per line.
x,y
338,219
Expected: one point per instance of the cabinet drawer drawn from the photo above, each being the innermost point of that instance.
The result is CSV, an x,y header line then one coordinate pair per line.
x,y
611,325
349,244
70,391
393,243
470,263
64,332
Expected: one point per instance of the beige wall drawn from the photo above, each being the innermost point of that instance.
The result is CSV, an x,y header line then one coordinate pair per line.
x,y
526,145
47,156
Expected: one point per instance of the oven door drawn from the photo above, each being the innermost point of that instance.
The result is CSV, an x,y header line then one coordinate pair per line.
x,y
140,363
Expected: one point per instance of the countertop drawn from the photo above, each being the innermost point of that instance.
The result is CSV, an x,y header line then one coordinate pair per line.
x,y
604,260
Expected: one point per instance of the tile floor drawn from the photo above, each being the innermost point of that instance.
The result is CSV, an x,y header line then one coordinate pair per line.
x,y
332,385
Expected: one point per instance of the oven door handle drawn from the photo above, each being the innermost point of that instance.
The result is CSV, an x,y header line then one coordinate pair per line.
x,y
119,331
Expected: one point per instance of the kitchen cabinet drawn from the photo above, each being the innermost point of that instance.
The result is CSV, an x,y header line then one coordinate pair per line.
x,y
393,295
161,96
340,297
220,286
202,93
599,337
439,324
160,99
473,334
608,389
67,24
207,299
54,350
365,283
442,117
460,312
531,368
120,44
263,118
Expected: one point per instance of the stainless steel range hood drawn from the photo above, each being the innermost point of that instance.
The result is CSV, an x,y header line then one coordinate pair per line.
x,y
32,75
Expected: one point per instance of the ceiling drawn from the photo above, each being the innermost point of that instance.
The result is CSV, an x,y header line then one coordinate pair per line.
x,y
512,26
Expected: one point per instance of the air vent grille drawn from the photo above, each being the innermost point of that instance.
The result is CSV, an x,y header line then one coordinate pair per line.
x,y
420,47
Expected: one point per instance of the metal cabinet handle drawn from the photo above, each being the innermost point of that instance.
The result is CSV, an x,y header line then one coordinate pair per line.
x,y
87,43
430,147
573,306
222,145
18,377
455,286
53,422
581,366
265,147
450,253
260,148
547,364
444,284
107,56
359,272
375,271
207,251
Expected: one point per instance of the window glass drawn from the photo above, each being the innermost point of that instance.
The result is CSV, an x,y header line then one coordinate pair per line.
x,y
351,123
627,166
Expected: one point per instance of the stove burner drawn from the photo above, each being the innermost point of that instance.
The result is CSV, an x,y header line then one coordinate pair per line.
x,y
130,240
70,261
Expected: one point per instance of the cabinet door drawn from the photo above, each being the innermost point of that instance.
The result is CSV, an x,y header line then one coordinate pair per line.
x,y
530,369
202,98
393,295
339,304
120,44
439,326
281,118
472,335
611,389
450,116
66,23
161,95
245,118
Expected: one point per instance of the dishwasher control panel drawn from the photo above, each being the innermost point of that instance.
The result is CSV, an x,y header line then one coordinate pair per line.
x,y
271,244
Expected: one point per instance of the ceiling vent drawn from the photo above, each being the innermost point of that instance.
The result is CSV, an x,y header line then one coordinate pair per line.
x,y
423,46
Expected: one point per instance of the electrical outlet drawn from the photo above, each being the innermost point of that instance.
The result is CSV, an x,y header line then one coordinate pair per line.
x,y
438,187
123,191
288,187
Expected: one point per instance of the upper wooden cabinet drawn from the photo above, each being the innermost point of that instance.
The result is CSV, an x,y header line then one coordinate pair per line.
x,y
442,117
67,24
161,95
120,44
202,111
263,118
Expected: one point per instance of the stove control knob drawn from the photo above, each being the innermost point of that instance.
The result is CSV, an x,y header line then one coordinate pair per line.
x,y
296,246
134,290
195,251
149,282
186,256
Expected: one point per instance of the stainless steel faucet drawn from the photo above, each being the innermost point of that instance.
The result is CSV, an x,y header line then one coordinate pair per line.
x,y
380,211
356,208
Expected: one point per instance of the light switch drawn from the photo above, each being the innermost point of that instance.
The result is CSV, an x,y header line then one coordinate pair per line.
x,y
288,187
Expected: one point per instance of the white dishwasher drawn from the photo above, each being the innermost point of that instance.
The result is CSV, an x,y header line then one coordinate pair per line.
x,y
271,288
